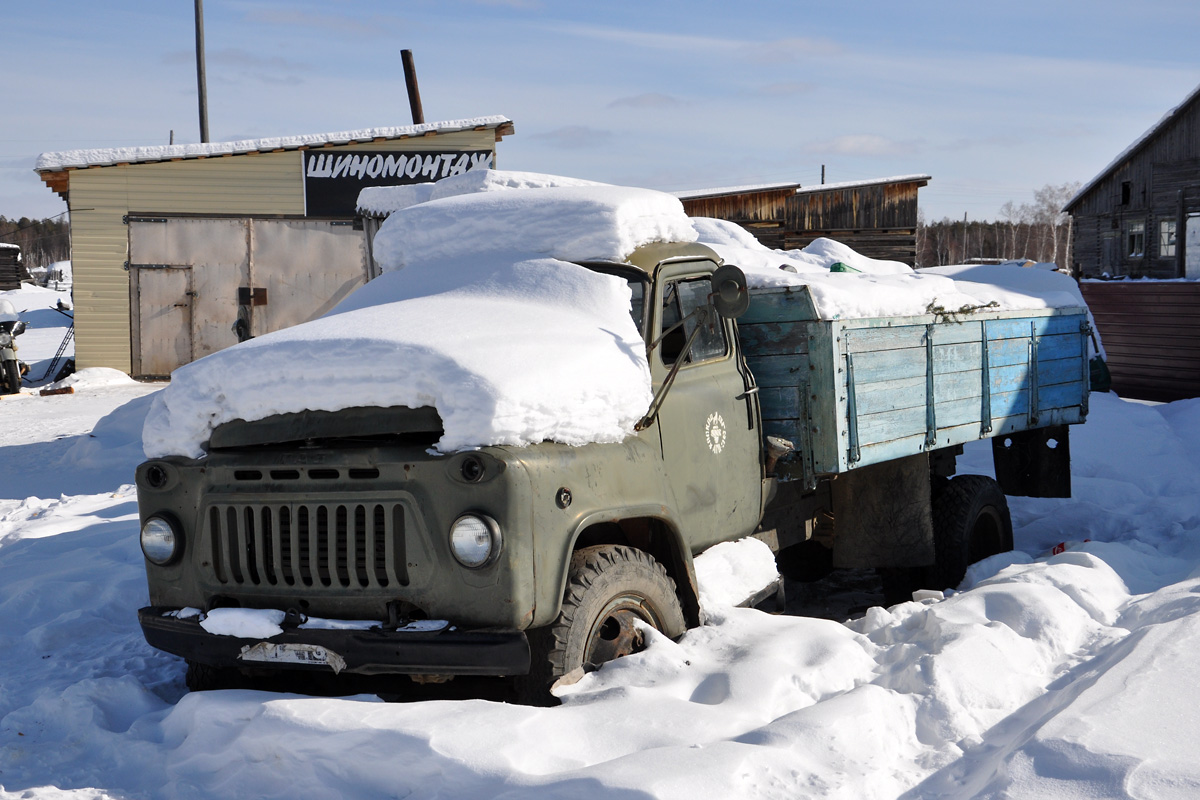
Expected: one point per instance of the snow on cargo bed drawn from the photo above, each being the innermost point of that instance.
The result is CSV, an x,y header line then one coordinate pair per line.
x,y
876,288
479,314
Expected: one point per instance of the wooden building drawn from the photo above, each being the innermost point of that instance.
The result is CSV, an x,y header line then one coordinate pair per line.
x,y
12,271
878,218
1140,217
181,250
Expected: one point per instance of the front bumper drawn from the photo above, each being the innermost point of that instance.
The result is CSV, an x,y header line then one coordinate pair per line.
x,y
373,652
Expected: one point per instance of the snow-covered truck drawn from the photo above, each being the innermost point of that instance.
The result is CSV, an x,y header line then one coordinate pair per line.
x,y
515,442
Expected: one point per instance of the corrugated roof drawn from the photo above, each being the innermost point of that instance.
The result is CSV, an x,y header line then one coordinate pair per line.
x,y
1137,144
70,159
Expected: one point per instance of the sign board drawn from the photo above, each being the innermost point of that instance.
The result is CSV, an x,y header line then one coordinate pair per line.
x,y
332,180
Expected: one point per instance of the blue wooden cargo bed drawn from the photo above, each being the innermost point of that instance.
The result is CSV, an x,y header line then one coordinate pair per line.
x,y
853,392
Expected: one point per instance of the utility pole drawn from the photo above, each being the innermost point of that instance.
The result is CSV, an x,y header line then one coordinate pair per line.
x,y
201,83
964,255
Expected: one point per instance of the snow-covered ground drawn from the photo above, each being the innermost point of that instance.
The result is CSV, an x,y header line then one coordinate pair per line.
x,y
1068,675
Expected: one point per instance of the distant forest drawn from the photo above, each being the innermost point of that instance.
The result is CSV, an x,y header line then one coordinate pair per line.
x,y
1037,231
42,241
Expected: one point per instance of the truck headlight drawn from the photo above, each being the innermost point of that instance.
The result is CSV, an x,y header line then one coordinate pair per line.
x,y
160,541
475,540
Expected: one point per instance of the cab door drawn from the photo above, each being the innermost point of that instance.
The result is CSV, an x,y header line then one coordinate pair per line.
x,y
709,422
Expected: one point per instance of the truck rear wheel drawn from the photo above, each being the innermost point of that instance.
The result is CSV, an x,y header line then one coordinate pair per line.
x,y
610,588
970,523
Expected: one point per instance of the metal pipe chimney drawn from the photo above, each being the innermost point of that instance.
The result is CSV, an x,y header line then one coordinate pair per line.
x,y
410,80
201,83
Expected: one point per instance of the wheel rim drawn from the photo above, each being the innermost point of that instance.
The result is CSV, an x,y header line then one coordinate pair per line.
x,y
985,535
615,634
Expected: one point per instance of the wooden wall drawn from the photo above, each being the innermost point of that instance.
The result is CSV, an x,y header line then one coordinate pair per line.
x,y
877,220
762,206
881,206
1151,331
11,270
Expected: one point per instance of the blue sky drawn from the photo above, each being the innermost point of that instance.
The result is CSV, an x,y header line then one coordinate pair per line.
x,y
992,100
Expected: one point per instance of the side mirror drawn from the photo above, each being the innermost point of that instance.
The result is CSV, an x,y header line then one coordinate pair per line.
x,y
18,328
730,296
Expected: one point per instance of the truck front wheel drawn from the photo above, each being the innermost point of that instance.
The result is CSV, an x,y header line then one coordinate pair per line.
x,y
610,589
12,378
970,523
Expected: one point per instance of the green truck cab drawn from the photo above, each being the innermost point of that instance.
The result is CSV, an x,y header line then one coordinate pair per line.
x,y
384,556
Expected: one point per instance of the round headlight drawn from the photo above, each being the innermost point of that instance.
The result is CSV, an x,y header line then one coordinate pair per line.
x,y
475,540
159,540
5,339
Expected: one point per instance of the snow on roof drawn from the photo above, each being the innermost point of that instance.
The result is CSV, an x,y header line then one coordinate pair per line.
x,y
380,201
66,159
1132,148
823,187
573,223
695,194
9,245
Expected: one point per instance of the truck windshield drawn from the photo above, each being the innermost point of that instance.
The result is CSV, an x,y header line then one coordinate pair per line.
x,y
681,298
637,288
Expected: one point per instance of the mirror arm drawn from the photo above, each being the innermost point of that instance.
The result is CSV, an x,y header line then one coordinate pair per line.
x,y
702,314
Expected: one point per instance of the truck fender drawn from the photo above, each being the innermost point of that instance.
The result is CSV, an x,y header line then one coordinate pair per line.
x,y
662,540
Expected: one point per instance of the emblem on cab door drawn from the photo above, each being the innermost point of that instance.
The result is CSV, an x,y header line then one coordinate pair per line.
x,y
714,432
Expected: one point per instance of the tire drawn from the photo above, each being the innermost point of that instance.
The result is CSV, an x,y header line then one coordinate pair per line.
x,y
608,588
12,378
970,523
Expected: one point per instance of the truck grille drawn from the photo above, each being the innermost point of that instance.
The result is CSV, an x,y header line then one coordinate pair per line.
x,y
343,545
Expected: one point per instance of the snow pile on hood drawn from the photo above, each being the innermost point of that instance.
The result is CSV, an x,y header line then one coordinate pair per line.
x,y
877,288
385,200
566,222
509,352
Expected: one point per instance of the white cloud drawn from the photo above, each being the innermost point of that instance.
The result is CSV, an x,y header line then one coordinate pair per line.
x,y
648,100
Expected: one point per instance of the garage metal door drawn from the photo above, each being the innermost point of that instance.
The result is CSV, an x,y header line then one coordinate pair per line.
x,y
270,273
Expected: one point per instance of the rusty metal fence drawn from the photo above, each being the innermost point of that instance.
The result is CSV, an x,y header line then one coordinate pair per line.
x,y
1151,331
